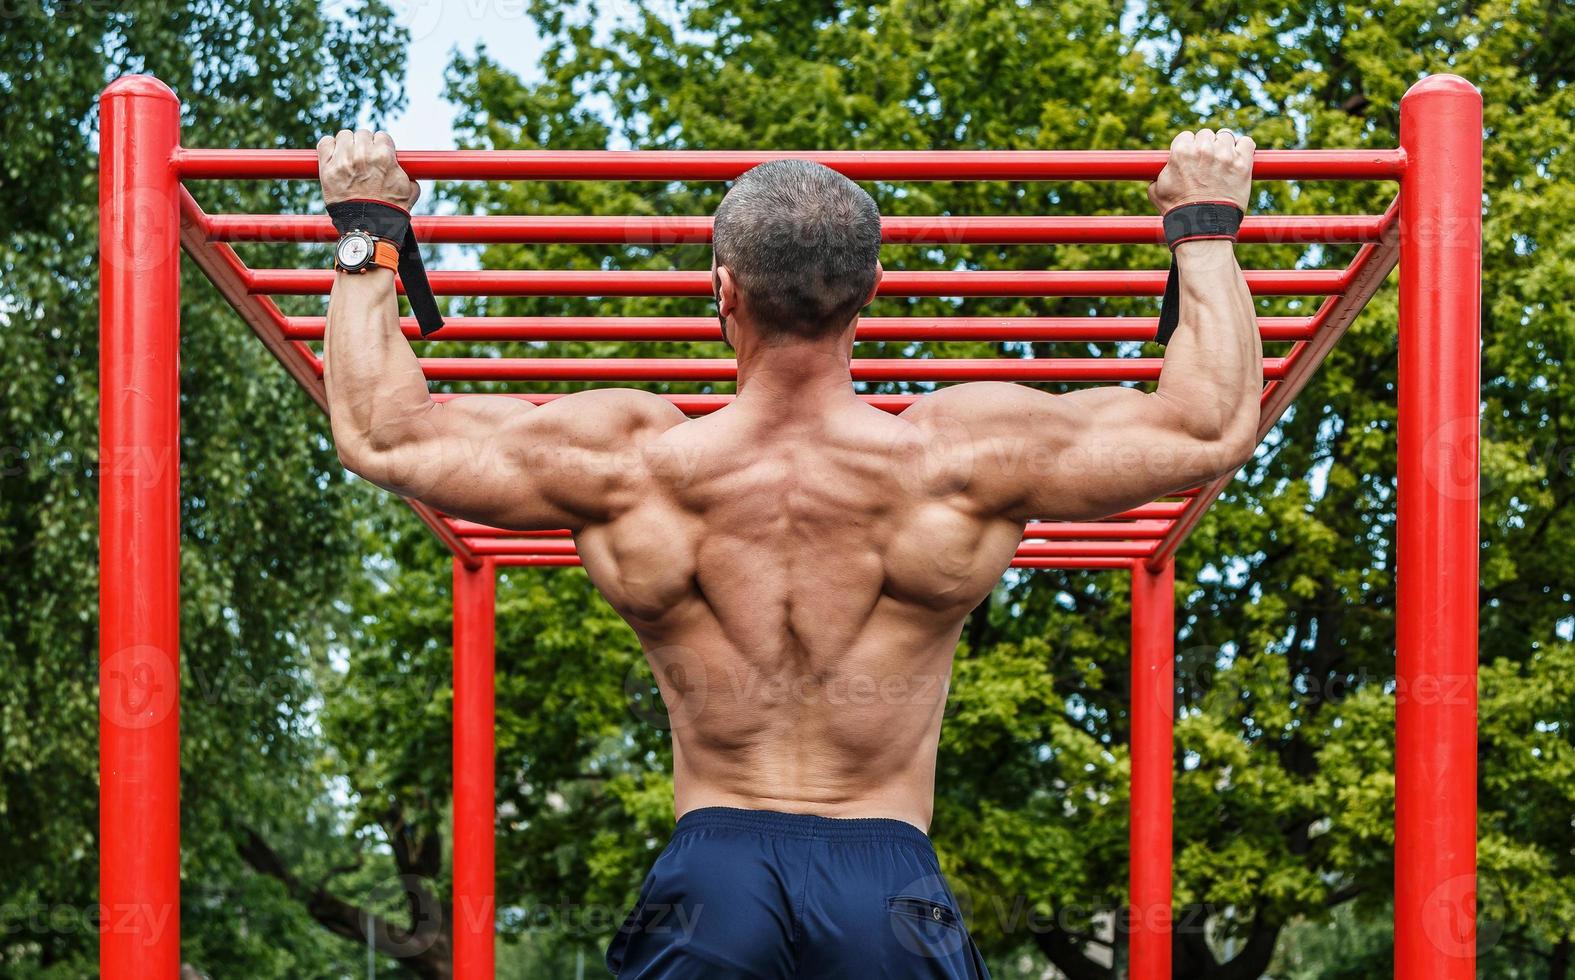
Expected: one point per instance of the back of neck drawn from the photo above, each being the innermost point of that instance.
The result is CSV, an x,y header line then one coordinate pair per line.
x,y
796,376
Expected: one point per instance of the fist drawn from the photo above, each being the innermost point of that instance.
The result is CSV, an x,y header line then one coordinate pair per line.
x,y
361,166
1205,166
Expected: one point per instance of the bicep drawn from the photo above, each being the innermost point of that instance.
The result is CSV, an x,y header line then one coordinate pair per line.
x,y
1076,456
502,461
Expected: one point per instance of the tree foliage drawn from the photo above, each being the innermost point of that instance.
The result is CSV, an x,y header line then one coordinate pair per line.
x,y
264,503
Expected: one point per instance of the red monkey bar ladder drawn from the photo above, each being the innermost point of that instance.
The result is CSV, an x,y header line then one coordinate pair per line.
x,y
1433,230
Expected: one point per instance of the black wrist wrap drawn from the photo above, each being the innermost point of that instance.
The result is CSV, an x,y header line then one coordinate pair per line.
x,y
1190,222
393,223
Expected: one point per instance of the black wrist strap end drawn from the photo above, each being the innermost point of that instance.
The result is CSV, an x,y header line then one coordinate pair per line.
x,y
413,273
1170,306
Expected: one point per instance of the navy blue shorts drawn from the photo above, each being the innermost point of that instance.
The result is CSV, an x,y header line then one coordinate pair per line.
x,y
755,894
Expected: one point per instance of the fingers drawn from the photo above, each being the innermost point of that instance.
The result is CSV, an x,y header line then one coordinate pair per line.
x,y
1206,138
333,153
363,163
356,149
1222,144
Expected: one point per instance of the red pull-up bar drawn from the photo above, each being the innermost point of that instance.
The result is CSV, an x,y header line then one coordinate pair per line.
x,y
685,229
573,282
872,329
689,165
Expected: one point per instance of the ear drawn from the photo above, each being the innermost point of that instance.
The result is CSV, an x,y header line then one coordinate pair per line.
x,y
726,288
880,271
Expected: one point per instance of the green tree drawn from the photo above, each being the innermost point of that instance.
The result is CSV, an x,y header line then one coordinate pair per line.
x,y
264,504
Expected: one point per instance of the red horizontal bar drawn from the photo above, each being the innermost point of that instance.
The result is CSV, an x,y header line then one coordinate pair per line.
x,y
1112,282
558,561
682,230
1086,549
1036,530
864,369
199,164
871,329
1067,564
517,546
1158,510
688,404
1095,530
1073,564
471,529
1049,549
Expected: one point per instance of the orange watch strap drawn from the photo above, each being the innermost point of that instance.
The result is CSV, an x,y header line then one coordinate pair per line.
x,y
385,254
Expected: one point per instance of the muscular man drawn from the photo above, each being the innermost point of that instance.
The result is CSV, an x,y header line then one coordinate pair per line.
x,y
798,565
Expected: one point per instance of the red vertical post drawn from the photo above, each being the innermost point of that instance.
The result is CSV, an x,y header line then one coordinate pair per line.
x,y
475,904
1437,508
139,531
1153,735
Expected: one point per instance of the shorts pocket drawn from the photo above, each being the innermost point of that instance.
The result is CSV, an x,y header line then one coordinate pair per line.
x,y
924,908
931,930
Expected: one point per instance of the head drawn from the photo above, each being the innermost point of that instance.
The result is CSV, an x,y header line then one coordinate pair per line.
x,y
795,252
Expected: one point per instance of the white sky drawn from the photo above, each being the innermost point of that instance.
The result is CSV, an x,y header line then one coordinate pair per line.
x,y
439,27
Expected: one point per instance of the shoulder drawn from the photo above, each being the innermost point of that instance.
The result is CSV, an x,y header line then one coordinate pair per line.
x,y
639,406
973,401
613,416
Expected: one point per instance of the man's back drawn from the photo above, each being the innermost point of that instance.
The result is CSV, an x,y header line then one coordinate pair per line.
x,y
798,581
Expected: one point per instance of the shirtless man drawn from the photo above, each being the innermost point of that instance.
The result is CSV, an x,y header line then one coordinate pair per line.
x,y
798,565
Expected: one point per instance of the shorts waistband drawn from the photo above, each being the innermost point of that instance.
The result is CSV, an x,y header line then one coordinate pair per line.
x,y
805,826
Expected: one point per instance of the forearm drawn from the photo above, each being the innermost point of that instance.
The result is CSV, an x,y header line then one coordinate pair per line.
x,y
1213,370
376,391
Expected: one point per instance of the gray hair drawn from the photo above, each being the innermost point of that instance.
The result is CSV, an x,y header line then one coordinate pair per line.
x,y
801,241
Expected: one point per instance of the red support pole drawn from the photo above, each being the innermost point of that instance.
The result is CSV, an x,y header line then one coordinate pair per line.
x,y
475,902
1436,567
1153,734
139,532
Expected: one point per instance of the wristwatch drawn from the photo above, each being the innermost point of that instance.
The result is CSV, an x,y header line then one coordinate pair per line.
x,y
359,251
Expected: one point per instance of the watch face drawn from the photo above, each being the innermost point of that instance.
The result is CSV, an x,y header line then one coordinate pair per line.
x,y
354,250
